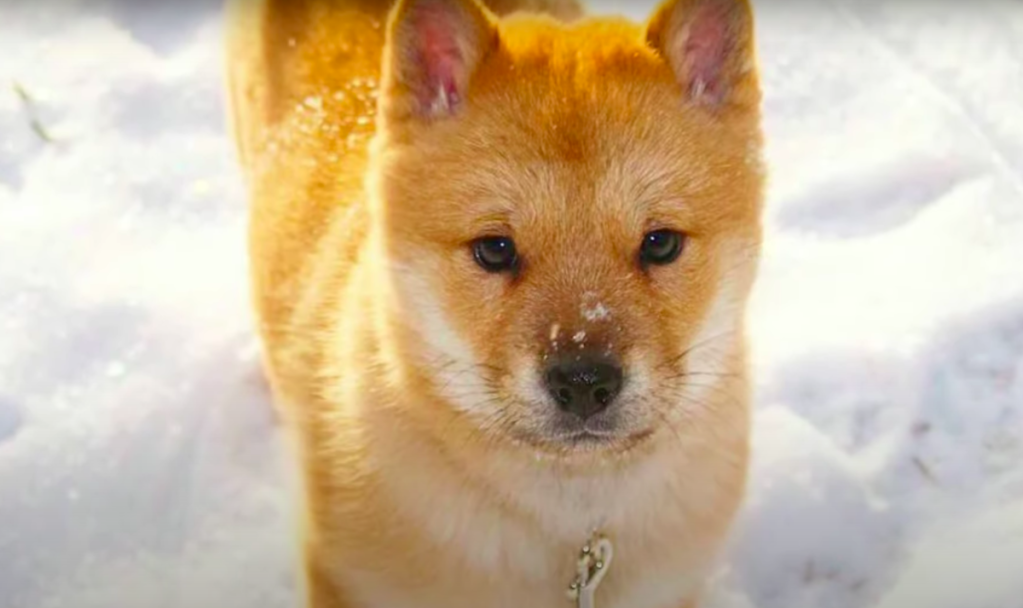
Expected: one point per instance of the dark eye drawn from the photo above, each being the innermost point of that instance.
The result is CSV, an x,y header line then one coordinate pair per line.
x,y
660,247
495,253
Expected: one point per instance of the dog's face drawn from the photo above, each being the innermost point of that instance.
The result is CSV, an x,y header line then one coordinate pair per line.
x,y
571,216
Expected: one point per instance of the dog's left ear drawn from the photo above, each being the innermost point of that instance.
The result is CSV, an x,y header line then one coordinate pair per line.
x,y
709,44
433,49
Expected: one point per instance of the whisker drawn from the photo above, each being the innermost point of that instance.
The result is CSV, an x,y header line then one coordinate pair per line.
x,y
675,361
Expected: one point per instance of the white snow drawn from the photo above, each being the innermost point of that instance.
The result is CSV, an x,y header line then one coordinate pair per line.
x,y
141,464
596,311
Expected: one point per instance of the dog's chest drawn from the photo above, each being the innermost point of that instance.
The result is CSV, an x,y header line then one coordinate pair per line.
x,y
512,574
453,546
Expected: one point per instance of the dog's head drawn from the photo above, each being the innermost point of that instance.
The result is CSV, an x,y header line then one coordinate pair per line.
x,y
570,215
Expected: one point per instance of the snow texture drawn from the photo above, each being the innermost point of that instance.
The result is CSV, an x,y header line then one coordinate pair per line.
x,y
140,462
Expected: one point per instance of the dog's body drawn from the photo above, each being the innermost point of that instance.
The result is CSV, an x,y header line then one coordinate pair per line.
x,y
433,473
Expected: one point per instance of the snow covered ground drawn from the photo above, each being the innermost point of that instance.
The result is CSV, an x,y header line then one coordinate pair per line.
x,y
139,461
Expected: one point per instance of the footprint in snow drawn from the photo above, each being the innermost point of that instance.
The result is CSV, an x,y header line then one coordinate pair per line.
x,y
867,202
10,419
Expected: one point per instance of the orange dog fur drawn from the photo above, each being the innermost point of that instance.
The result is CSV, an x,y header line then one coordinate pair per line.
x,y
380,143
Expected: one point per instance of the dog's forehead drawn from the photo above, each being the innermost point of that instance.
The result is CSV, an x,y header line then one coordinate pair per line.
x,y
559,130
583,162
591,125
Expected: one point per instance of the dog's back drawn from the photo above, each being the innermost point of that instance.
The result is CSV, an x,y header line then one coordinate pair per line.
x,y
302,80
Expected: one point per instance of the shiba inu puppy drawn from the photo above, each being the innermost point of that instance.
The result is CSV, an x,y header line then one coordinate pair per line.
x,y
500,260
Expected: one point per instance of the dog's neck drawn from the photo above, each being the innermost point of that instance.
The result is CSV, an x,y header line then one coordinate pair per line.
x,y
593,562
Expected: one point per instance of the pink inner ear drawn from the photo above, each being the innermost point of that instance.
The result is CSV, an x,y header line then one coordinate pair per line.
x,y
706,49
439,55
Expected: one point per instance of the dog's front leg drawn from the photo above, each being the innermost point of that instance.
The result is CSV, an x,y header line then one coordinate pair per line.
x,y
321,591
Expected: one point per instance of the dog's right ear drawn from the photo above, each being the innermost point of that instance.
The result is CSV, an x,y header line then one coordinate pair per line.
x,y
709,45
433,48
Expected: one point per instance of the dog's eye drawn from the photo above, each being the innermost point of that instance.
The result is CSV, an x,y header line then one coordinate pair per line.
x,y
660,247
495,253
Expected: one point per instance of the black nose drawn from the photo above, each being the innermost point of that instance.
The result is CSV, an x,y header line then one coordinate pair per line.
x,y
584,386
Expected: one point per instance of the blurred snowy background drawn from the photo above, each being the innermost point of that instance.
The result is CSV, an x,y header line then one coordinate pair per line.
x,y
140,464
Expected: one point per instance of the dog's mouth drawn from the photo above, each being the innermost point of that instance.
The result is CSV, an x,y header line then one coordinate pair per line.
x,y
589,436
584,437
582,441
597,437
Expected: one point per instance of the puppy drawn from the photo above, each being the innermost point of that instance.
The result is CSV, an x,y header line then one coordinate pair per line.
x,y
500,260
